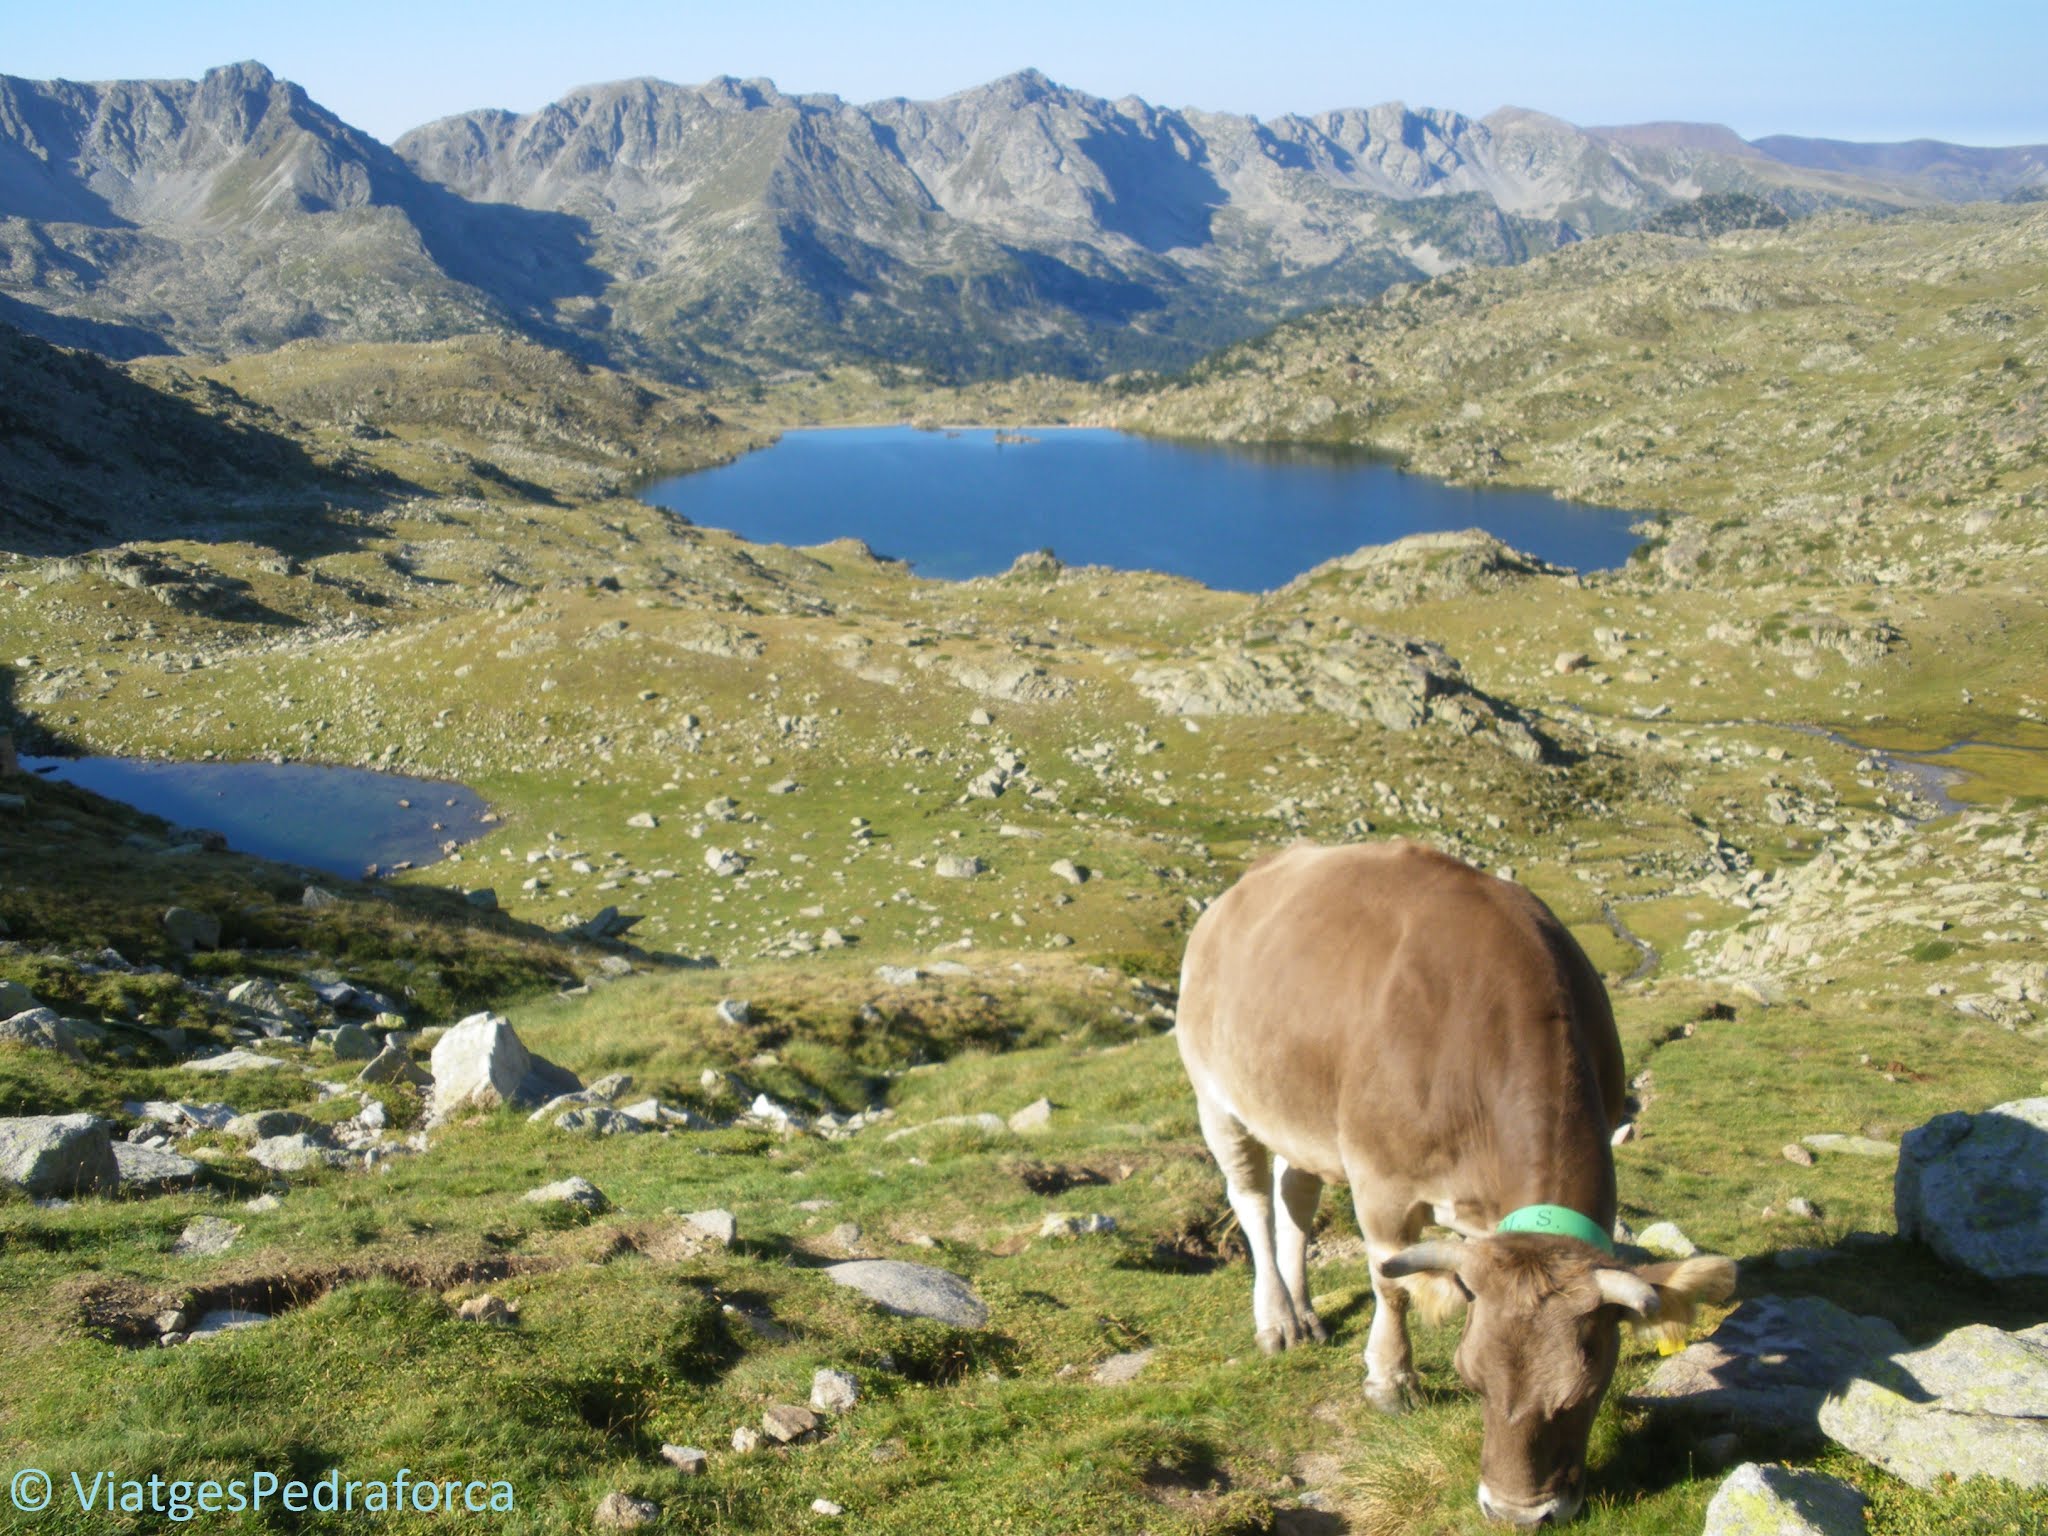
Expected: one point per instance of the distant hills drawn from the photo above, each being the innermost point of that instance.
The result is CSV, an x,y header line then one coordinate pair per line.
x,y
731,228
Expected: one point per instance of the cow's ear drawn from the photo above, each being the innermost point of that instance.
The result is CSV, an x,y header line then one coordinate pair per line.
x,y
1681,1286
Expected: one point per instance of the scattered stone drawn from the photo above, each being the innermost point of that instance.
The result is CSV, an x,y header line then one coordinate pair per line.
x,y
622,1512
1973,1404
686,1459
1120,1369
724,862
608,1088
654,1113
596,1120
1623,1134
1793,1152
1854,1146
1568,662
191,930
41,1029
262,1203
488,1309
827,1508
205,1238
1058,1225
571,1191
981,717
265,1123
1070,872
351,1042
1665,1240
912,1290
898,975
645,821
58,1155
15,998
1769,1365
833,1391
483,898
393,1064
1974,1188
784,1422
746,1438
1759,1500
717,1225
735,1011
154,1170
177,1320
958,866
1035,1116
318,899
236,1060
293,1154
1803,1208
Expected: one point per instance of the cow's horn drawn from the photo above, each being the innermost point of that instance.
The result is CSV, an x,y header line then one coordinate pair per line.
x,y
1630,1292
1423,1256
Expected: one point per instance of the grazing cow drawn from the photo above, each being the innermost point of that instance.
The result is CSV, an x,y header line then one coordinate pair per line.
x,y
1388,1017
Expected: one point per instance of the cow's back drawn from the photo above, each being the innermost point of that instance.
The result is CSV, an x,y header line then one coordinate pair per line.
x,y
1387,1003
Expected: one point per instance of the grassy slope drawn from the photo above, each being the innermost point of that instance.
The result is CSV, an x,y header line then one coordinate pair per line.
x,y
470,633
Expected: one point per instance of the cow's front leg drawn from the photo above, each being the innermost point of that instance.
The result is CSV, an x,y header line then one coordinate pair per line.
x,y
1390,1381
1248,1181
1294,1210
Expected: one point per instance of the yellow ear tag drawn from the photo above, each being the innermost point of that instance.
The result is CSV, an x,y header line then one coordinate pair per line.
x,y
1666,1345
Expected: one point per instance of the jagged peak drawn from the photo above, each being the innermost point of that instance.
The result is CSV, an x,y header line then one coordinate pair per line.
x,y
248,74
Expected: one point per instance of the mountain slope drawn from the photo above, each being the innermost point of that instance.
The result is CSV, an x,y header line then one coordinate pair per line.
x,y
731,227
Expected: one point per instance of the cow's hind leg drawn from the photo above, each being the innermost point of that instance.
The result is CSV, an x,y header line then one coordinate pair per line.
x,y
1247,1176
1390,1380
1295,1193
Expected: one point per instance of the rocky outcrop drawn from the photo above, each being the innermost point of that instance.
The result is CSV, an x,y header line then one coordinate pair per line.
x,y
1424,567
481,1063
1778,1501
1973,1404
913,1290
1974,1188
48,1155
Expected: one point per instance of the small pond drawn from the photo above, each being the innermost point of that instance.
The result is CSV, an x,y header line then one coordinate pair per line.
x,y
962,503
342,820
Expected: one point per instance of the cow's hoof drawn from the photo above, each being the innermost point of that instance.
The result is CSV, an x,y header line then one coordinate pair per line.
x,y
1391,1396
1316,1330
1271,1341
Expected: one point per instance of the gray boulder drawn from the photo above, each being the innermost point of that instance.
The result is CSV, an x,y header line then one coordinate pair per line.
x,y
40,1029
480,1064
571,1191
58,1154
1769,1366
294,1153
352,1042
833,1391
191,930
1974,1188
393,1065
596,1120
912,1290
236,1060
266,1123
1974,1403
1777,1501
153,1170
15,998
206,1236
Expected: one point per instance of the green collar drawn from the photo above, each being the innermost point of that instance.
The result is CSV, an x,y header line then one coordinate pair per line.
x,y
1557,1221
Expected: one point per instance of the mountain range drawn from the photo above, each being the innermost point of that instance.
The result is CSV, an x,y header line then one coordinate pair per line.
x,y
726,228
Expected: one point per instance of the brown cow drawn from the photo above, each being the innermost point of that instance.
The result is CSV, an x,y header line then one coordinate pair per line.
x,y
1388,1017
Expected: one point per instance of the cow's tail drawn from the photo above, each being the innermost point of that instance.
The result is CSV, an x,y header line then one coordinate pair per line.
x,y
1436,1296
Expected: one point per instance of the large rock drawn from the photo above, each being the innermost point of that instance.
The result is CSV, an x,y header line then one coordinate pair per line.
x,y
236,1060
1777,1501
1974,1188
15,998
263,1124
913,1290
294,1153
42,1030
58,1154
480,1064
1974,1403
1770,1365
153,1170
191,930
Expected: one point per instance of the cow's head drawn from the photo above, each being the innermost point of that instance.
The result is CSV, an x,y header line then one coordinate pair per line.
x,y
1540,1347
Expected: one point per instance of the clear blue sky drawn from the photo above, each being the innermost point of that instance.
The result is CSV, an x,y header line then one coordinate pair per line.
x,y
1970,70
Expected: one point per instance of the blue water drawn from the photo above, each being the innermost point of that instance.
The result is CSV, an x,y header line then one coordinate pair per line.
x,y
962,504
338,819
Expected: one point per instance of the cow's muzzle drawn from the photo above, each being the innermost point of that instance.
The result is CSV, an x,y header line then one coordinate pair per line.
x,y
1553,1511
